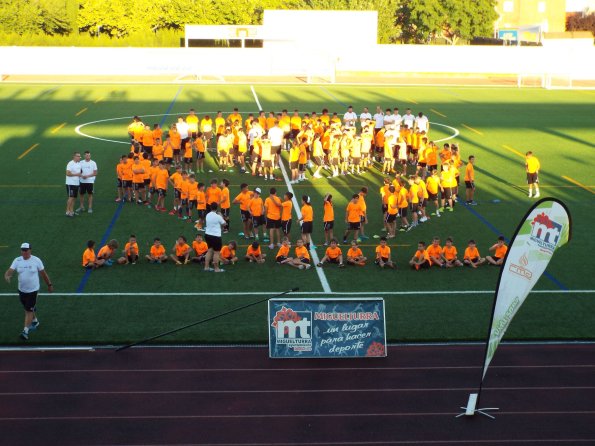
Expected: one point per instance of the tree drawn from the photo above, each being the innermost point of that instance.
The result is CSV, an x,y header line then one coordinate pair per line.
x,y
581,22
421,21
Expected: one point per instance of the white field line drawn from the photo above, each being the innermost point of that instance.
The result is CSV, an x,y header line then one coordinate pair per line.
x,y
302,293
321,275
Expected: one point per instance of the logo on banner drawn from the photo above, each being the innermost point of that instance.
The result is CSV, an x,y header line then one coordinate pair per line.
x,y
546,232
520,269
293,329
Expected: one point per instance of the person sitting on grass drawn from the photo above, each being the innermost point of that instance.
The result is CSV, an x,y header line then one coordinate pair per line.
x,y
333,254
383,257
283,258
180,251
90,260
435,253
254,253
200,249
107,252
157,252
472,257
421,258
355,256
302,256
228,254
449,254
130,252
500,250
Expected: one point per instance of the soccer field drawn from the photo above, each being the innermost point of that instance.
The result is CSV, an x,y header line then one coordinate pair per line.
x,y
42,125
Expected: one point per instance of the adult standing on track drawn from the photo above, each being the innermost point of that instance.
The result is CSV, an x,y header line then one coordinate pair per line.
x,y
73,181
213,224
88,175
28,268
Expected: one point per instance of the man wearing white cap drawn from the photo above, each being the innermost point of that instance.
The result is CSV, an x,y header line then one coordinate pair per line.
x,y
28,268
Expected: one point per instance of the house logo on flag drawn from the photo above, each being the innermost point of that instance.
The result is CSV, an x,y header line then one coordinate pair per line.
x,y
546,232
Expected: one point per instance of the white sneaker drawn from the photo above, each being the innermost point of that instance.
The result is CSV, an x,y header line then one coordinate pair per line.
x,y
537,195
271,246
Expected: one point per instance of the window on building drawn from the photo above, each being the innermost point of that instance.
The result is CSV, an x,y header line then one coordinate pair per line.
x,y
508,6
541,7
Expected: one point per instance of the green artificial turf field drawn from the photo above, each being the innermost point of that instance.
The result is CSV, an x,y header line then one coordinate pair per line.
x,y
124,303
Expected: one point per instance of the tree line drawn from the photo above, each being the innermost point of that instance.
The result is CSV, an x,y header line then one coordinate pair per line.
x,y
399,21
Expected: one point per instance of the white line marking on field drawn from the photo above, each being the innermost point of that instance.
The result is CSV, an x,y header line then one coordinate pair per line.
x,y
306,293
296,207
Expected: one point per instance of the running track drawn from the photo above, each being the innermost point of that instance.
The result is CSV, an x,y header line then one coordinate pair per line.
x,y
237,396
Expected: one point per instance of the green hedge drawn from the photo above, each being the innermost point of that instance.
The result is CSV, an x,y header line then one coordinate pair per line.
x,y
163,38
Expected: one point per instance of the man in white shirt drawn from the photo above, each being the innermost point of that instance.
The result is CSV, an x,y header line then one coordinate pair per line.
x,y
421,123
408,119
183,129
28,269
73,177
87,180
276,135
378,119
349,118
213,224
389,119
365,116
397,119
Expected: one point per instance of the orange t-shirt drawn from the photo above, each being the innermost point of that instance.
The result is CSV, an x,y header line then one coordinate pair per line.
x,y
148,138
329,211
434,250
283,251
419,254
354,212
157,251
253,252
286,210
301,252
244,199
138,173
175,138
227,253
307,213
161,177
199,247
449,252
224,197
158,152
501,251
181,250
255,207
354,252
469,172
88,256
106,252
213,194
131,248
201,200
383,251
392,204
333,253
471,253
184,189
192,191
273,206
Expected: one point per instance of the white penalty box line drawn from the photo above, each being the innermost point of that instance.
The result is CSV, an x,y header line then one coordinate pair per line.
x,y
315,260
301,293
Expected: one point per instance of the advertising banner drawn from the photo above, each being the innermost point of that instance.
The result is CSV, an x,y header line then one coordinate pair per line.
x,y
327,328
545,228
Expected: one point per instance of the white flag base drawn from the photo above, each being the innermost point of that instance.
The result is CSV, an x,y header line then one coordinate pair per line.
x,y
470,409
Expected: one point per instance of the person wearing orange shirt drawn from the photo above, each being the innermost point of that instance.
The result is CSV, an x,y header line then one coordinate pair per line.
x,y
147,140
123,186
470,181
379,141
157,252
353,214
433,186
403,205
199,146
213,193
500,250
423,197
286,208
135,128
235,116
413,197
138,181
392,211
107,252
383,256
90,260
254,253
176,142
435,252
187,155
283,258
192,186
333,254
180,251
328,218
200,248
157,132
183,185
472,257
201,207
449,254
296,124
228,254
302,256
147,166
307,222
130,252
168,152
176,179
158,150
421,259
256,209
225,203
431,156
161,177
272,210
243,199
355,256
242,149
445,155
206,128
